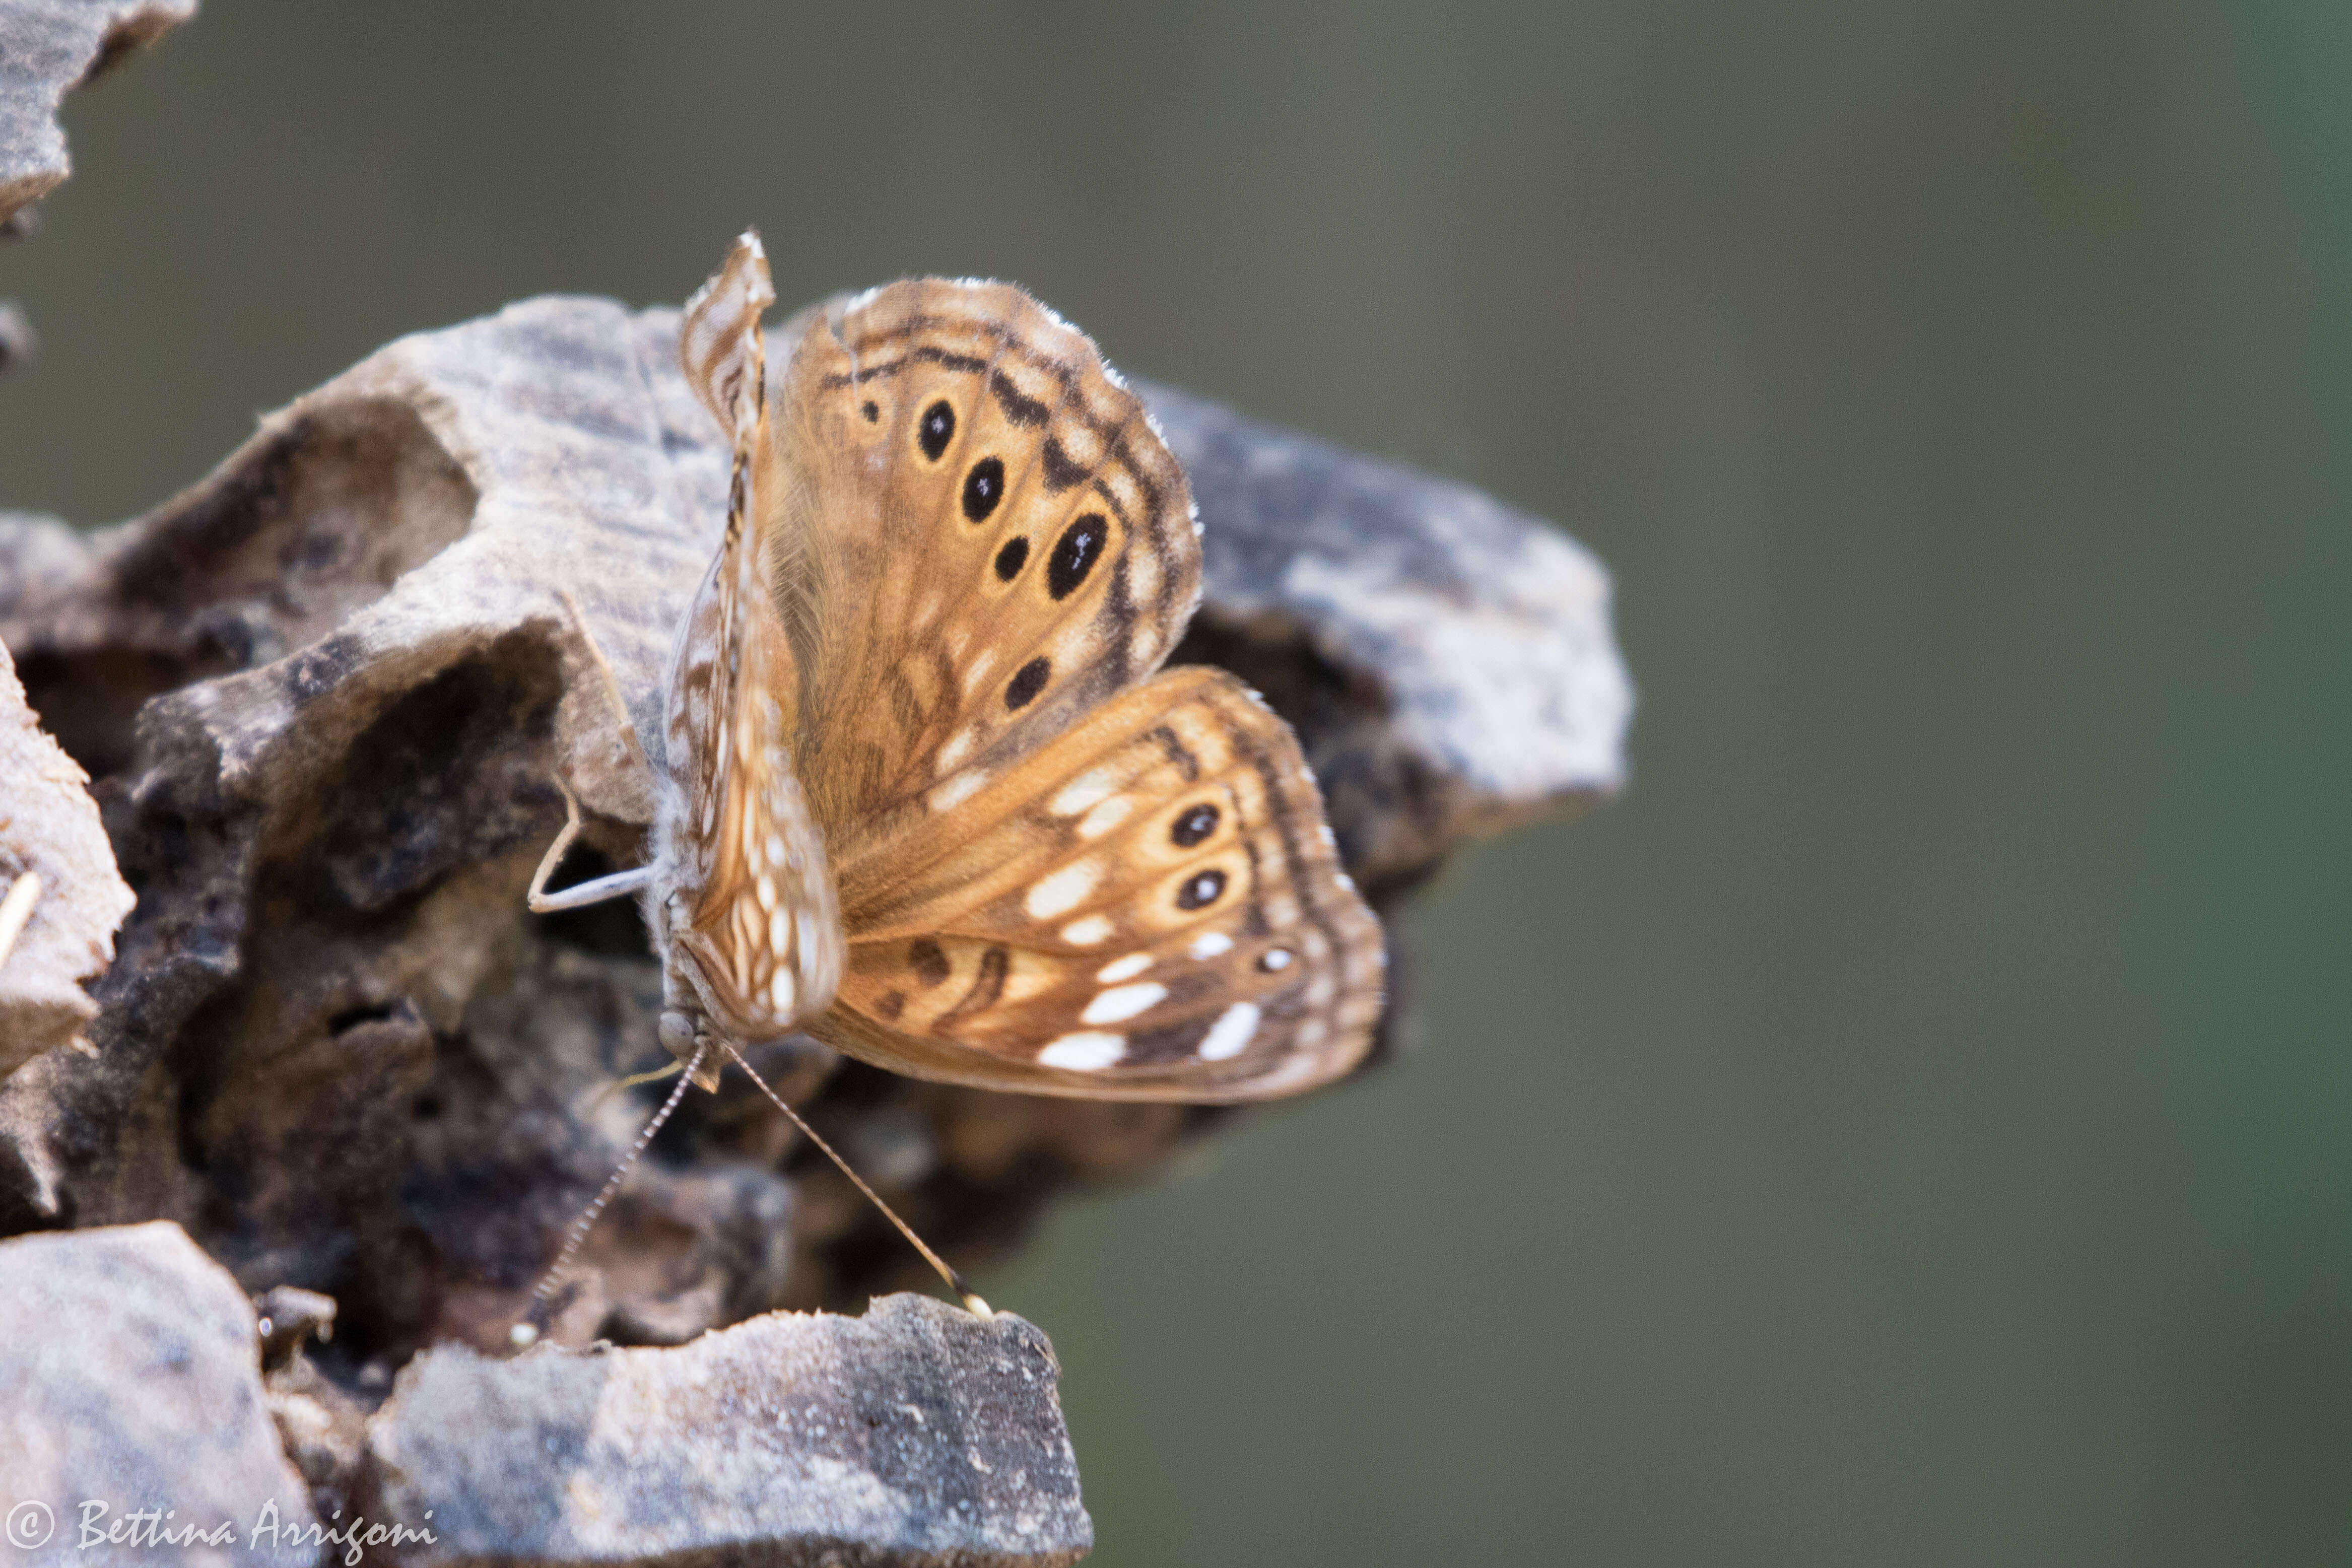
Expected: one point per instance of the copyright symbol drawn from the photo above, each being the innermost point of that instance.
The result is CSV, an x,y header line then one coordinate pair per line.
x,y
30,1524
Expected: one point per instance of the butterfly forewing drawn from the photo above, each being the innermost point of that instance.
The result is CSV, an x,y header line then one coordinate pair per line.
x,y
757,914
999,540
1147,907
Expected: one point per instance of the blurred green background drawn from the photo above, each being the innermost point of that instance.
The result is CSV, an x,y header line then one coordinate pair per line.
x,y
1912,1125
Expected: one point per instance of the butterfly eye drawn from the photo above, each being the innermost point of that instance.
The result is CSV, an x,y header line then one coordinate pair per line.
x,y
1011,558
1075,555
1202,889
936,430
1027,681
1193,826
983,488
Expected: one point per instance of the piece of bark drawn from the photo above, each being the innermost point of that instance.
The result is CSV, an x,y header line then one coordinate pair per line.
x,y
914,1435
128,1380
47,47
333,684
50,831
288,1315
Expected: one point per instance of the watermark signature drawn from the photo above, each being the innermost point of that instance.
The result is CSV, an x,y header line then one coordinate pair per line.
x,y
31,1525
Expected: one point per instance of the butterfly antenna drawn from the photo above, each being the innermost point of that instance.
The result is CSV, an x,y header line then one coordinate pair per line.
x,y
534,1323
955,1282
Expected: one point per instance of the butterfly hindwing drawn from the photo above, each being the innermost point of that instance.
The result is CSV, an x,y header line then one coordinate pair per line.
x,y
758,913
1147,907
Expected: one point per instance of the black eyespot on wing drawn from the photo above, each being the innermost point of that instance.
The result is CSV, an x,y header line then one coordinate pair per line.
x,y
983,488
1193,826
1011,558
1075,554
1201,890
1027,681
871,410
1274,960
927,959
934,429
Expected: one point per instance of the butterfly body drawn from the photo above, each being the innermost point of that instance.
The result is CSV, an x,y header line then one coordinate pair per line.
x,y
928,795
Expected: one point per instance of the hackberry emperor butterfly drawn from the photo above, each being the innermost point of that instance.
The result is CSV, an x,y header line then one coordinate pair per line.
x,y
928,795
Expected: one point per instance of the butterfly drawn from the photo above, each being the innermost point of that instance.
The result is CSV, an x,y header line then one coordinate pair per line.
x,y
927,793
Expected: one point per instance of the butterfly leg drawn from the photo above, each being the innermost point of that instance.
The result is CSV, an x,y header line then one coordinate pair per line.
x,y
620,884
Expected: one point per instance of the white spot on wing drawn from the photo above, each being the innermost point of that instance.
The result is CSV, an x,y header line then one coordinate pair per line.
x,y
1123,1002
1086,933
1292,1069
1063,890
977,670
1085,1053
1106,815
1125,968
1209,944
1276,959
779,991
956,791
1081,792
1231,1033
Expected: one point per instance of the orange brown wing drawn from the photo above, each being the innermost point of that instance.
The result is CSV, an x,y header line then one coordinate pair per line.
x,y
1148,907
757,914
991,539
